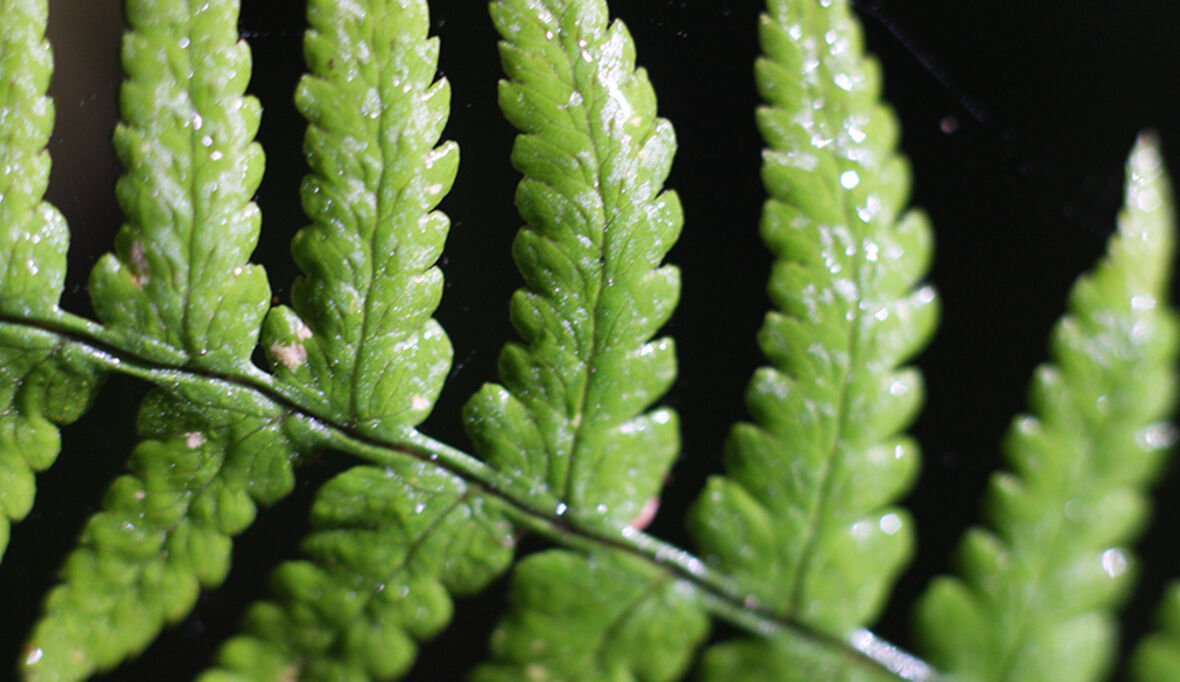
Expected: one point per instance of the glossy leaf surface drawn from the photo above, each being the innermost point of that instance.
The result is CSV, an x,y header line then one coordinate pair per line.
x,y
570,414
179,273
803,517
360,341
1038,589
392,544
41,384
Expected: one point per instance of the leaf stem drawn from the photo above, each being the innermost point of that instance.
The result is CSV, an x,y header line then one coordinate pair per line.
x,y
526,503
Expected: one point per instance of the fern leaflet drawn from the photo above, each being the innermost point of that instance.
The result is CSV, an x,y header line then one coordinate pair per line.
x,y
802,518
43,382
1037,595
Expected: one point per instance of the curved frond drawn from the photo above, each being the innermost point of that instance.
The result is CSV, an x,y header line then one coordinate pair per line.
x,y
1038,589
360,340
42,385
179,272
804,515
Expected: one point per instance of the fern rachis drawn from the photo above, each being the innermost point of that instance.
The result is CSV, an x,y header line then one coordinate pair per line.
x,y
218,436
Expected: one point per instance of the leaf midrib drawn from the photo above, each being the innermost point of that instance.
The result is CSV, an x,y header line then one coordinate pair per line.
x,y
832,459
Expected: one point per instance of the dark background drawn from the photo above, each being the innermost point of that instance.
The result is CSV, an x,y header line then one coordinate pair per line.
x,y
1016,118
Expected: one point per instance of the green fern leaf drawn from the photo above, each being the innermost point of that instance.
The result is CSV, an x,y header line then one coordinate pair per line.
x,y
569,417
642,625
389,548
179,274
803,518
594,156
178,290
360,341
360,345
1157,657
165,531
43,382
1037,593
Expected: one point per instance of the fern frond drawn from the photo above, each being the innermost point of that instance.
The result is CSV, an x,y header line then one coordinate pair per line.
x,y
1157,657
644,624
179,272
33,235
570,415
360,340
1037,593
391,544
594,156
389,547
803,517
179,280
42,383
166,528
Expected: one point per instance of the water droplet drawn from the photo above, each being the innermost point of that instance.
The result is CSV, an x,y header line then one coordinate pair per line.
x,y
890,524
1114,562
843,81
1146,160
1142,302
1148,200
561,509
184,43
1159,435
849,179
34,656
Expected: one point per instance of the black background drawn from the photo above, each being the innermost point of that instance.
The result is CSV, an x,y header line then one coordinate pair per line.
x,y
1016,118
